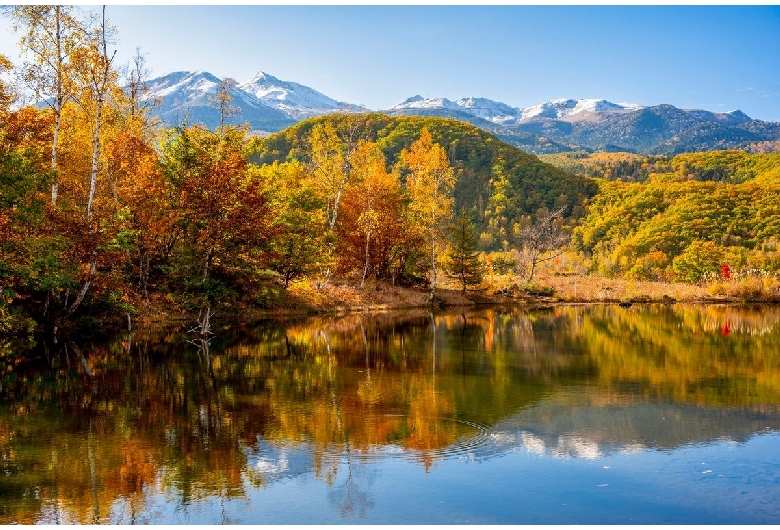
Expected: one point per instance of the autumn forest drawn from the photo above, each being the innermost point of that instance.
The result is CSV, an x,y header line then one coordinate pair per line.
x,y
105,212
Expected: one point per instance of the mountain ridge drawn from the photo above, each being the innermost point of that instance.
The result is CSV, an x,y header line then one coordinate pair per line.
x,y
269,104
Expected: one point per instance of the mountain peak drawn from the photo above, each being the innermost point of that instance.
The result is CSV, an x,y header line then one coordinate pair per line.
x,y
268,103
296,100
264,77
739,114
413,99
419,102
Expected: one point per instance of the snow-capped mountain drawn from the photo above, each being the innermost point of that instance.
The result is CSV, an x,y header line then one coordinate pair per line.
x,y
295,100
487,109
570,109
419,102
600,124
497,112
264,102
189,96
269,104
503,114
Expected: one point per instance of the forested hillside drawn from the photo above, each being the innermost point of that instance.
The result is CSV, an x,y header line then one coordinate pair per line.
x,y
688,217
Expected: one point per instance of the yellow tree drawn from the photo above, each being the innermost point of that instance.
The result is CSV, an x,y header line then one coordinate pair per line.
x,y
430,181
7,95
297,239
223,100
330,170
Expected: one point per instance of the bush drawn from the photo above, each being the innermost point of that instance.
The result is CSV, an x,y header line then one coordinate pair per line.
x,y
539,290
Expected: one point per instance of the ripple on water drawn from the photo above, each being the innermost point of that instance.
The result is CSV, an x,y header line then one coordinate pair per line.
x,y
470,438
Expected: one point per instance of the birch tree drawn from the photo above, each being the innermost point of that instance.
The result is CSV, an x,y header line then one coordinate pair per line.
x,y
50,36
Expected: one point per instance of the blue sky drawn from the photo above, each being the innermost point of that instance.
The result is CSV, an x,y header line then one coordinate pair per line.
x,y
717,58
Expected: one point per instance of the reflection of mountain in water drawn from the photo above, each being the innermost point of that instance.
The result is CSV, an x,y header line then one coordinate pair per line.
x,y
563,430
552,428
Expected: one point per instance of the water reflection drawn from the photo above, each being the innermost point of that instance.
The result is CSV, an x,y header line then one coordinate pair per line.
x,y
96,433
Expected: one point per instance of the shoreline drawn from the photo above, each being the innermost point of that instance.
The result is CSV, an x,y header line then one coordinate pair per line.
x,y
343,298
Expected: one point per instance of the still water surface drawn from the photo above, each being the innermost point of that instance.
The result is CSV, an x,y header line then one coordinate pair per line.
x,y
650,414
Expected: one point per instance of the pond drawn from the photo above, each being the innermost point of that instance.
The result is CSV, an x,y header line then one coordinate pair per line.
x,y
652,414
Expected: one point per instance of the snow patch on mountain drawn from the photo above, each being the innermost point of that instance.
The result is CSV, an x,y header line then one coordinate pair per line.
x,y
503,114
190,86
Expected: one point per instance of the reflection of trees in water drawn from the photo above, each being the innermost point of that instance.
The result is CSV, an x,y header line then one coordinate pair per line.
x,y
83,427
351,497
683,353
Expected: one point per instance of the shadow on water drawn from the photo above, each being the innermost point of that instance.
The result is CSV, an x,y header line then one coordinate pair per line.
x,y
91,432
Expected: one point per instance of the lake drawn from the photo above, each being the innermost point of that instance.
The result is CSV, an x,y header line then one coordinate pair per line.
x,y
652,414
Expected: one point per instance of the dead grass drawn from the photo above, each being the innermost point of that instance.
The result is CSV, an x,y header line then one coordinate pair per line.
x,y
751,288
342,296
373,296
379,296
598,289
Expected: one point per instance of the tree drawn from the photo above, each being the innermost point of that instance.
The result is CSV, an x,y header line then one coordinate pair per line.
x,y
97,78
223,210
30,258
7,94
143,196
371,213
223,99
51,35
430,182
331,171
136,74
700,259
463,258
297,239
543,240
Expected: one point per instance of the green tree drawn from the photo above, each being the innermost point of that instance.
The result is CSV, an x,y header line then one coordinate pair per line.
x,y
463,258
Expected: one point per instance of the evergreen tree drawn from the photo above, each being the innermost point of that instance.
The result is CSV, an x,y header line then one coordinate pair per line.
x,y
463,258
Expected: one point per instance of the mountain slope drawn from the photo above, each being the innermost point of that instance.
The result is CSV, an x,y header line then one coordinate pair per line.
x,y
598,124
665,129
